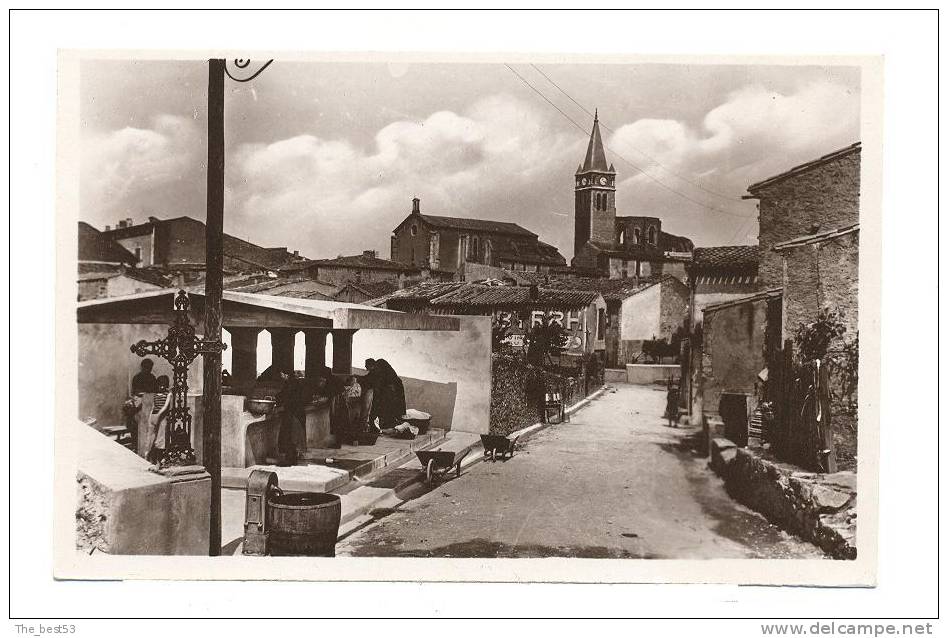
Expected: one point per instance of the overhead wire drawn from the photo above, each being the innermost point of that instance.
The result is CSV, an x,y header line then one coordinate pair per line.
x,y
640,152
617,154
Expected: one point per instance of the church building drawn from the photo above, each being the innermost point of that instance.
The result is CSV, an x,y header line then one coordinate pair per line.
x,y
449,245
606,245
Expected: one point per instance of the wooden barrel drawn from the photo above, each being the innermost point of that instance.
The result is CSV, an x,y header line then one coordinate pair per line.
x,y
303,524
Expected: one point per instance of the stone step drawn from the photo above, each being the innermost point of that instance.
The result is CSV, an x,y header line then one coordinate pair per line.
x,y
314,474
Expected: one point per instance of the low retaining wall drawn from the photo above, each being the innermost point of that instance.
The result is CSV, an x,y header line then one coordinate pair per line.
x,y
123,508
820,508
616,375
649,373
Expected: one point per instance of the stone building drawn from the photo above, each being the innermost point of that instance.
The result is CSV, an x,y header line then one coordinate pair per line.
x,y
808,261
736,335
821,271
815,197
365,268
607,245
582,313
177,245
446,244
358,292
107,269
718,274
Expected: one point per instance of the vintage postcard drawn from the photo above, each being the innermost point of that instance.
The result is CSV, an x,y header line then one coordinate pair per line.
x,y
468,318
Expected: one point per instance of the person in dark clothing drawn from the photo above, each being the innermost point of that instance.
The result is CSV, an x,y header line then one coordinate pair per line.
x,y
293,399
333,389
384,394
145,381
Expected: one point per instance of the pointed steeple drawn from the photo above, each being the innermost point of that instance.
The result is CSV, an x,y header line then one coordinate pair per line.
x,y
595,154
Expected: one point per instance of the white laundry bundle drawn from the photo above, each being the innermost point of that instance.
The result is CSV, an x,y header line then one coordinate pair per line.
x,y
402,428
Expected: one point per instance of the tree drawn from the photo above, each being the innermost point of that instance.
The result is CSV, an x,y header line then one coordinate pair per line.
x,y
547,339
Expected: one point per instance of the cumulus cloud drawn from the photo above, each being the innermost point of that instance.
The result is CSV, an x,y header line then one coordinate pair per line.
x,y
755,133
502,157
124,169
334,197
755,130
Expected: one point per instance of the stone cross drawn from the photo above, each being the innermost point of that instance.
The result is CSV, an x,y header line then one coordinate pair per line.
x,y
179,348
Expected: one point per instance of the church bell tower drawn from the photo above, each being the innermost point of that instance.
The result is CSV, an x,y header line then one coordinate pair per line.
x,y
595,190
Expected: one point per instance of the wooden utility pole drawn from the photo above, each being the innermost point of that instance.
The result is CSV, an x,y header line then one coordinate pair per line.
x,y
214,291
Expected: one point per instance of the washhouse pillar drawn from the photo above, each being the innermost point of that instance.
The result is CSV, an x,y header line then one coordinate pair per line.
x,y
342,351
315,351
283,343
243,342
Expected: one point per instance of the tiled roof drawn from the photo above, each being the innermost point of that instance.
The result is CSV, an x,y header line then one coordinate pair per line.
x,y
758,296
425,291
281,285
145,276
371,289
351,261
817,238
716,257
481,225
526,251
480,296
852,148
456,295
610,289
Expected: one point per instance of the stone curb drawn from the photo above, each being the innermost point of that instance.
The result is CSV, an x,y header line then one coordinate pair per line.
x,y
358,518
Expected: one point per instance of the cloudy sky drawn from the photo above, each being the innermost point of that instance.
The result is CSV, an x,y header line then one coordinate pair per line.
x,y
325,157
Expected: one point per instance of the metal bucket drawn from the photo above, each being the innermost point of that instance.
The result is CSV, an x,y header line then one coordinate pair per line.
x,y
303,524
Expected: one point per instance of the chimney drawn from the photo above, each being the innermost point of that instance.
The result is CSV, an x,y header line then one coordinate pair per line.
x,y
128,221
152,219
121,224
107,229
369,253
296,254
415,205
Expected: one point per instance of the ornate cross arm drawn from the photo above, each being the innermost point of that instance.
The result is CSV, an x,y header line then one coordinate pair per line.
x,y
179,348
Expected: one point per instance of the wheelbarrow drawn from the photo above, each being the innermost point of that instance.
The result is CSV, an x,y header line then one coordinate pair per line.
x,y
495,444
437,463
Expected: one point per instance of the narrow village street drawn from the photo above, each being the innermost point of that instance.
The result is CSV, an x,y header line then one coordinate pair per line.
x,y
615,482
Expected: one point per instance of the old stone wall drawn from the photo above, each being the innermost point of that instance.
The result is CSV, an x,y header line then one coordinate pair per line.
x,y
820,508
826,195
822,275
733,350
674,301
124,508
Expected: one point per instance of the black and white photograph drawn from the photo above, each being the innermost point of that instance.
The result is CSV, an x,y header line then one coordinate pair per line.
x,y
435,325
468,310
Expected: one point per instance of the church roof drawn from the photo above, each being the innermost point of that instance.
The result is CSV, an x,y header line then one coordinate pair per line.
x,y
480,225
595,153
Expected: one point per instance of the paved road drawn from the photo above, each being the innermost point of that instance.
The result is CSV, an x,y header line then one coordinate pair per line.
x,y
616,482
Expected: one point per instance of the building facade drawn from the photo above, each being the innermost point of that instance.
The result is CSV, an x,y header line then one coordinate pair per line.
x,y
718,274
178,244
812,198
365,268
447,244
581,313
